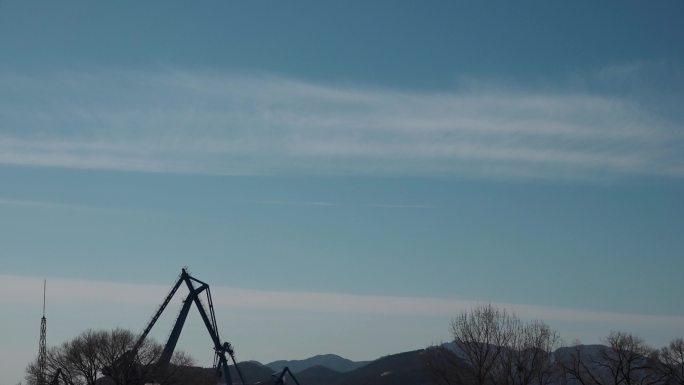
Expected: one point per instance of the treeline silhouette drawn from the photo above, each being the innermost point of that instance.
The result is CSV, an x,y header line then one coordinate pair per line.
x,y
94,357
489,346
494,347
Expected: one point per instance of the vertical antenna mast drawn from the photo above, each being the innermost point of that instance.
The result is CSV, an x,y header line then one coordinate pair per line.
x,y
42,351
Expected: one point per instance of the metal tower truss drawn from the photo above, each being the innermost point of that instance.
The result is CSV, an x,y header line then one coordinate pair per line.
x,y
195,288
42,349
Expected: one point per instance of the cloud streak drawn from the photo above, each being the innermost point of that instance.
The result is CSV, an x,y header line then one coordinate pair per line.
x,y
20,289
221,123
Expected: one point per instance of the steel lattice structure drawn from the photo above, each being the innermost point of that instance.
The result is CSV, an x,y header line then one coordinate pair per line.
x,y
42,350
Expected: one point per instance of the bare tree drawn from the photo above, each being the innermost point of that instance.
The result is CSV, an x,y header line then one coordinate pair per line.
x,y
528,357
81,354
671,362
576,367
115,357
82,360
58,359
545,341
494,347
626,360
119,342
481,336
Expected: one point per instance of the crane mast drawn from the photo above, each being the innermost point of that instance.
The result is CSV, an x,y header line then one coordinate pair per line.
x,y
208,317
280,378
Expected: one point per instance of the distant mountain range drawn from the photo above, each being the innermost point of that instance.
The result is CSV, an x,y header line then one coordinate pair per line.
x,y
331,369
330,361
407,368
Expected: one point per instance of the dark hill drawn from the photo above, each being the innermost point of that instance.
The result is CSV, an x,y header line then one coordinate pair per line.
x,y
398,369
319,375
252,371
331,361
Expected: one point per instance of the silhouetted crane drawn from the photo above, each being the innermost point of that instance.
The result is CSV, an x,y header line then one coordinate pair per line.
x,y
126,362
279,379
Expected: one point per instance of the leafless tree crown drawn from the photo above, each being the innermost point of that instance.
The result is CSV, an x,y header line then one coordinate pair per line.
x,y
83,358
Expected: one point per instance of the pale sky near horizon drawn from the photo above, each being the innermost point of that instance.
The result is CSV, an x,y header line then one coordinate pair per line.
x,y
346,175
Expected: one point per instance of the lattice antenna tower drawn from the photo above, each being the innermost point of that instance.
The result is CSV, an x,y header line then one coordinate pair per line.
x,y
42,351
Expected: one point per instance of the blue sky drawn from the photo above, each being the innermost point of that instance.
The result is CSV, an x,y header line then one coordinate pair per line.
x,y
370,168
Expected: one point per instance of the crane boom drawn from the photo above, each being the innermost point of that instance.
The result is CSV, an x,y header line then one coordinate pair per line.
x,y
156,315
175,333
209,319
280,379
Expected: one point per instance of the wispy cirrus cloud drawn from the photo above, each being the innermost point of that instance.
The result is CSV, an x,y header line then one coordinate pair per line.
x,y
218,123
295,203
28,203
22,289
